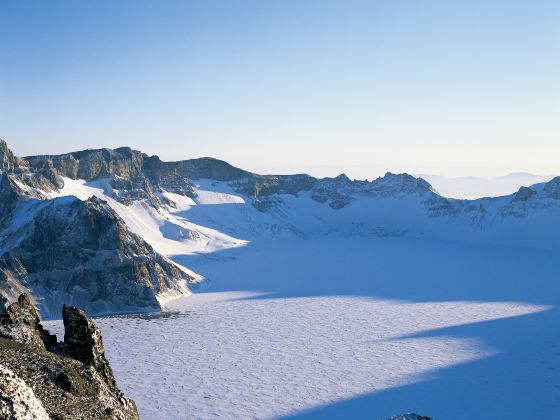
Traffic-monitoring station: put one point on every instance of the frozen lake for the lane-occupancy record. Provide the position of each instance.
(354, 327)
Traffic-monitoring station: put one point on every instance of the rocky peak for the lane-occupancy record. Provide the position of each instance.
(341, 190)
(20, 322)
(401, 183)
(342, 178)
(70, 379)
(133, 175)
(19, 181)
(83, 342)
(552, 188)
(8, 161)
(523, 194)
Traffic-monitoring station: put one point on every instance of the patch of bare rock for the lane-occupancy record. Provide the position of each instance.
(42, 378)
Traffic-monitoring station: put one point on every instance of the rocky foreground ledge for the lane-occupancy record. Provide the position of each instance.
(41, 378)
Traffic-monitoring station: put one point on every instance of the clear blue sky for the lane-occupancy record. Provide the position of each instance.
(449, 87)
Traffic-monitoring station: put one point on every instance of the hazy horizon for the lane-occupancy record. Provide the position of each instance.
(364, 171)
(463, 187)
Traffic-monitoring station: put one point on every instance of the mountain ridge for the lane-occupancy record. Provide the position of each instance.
(78, 251)
(158, 214)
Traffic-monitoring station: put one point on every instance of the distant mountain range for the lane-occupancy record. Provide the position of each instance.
(112, 230)
(473, 187)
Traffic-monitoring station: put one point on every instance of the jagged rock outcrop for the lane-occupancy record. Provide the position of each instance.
(257, 186)
(12, 184)
(83, 342)
(333, 190)
(8, 161)
(57, 380)
(340, 191)
(130, 164)
(30, 183)
(20, 322)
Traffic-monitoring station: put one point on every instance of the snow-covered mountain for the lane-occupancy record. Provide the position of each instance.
(111, 230)
(63, 249)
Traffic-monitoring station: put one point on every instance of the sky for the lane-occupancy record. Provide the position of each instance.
(446, 87)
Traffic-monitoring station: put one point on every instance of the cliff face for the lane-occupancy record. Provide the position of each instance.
(65, 250)
(81, 252)
(133, 174)
(41, 378)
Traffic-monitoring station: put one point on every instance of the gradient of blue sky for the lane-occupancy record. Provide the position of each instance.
(449, 87)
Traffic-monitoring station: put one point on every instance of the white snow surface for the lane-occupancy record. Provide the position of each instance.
(350, 328)
(167, 233)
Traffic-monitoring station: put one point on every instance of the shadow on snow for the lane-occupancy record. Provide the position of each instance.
(520, 381)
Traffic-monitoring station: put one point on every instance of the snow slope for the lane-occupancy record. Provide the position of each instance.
(220, 218)
(167, 233)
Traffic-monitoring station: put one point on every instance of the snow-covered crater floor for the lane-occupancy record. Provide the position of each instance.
(351, 329)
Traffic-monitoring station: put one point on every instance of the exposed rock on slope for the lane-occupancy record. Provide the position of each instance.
(134, 175)
(83, 342)
(20, 322)
(65, 380)
(81, 252)
(17, 400)
(65, 250)
(30, 182)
